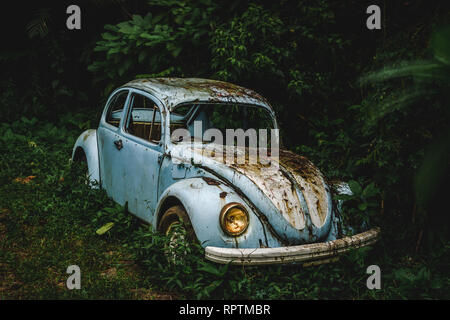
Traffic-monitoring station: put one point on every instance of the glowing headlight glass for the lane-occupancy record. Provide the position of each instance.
(234, 219)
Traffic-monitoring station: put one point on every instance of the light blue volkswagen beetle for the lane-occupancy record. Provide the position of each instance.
(241, 213)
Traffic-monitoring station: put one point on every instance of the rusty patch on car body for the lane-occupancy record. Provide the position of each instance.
(296, 187)
(175, 91)
(211, 181)
(311, 182)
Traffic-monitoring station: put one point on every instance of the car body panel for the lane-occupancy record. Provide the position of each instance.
(87, 144)
(289, 205)
(203, 202)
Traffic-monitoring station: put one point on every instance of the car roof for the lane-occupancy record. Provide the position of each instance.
(175, 91)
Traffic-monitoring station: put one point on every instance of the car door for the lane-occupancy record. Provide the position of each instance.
(109, 140)
(142, 153)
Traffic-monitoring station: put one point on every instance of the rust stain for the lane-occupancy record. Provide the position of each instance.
(211, 181)
(179, 90)
(278, 188)
(311, 182)
(280, 184)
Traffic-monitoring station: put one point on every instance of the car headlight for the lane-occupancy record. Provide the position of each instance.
(234, 219)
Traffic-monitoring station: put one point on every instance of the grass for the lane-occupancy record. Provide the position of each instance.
(49, 218)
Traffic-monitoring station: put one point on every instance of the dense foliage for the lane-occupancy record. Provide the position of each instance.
(370, 107)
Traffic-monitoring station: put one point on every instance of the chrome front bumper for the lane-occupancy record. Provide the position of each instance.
(314, 253)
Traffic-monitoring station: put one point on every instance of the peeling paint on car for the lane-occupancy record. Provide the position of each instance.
(175, 91)
(290, 205)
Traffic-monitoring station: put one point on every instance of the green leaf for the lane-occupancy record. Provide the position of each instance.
(109, 36)
(126, 28)
(370, 191)
(362, 206)
(146, 35)
(111, 27)
(100, 48)
(105, 228)
(208, 267)
(176, 52)
(148, 18)
(137, 19)
(355, 187)
(113, 50)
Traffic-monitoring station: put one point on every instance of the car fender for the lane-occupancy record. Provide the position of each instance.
(87, 143)
(203, 203)
(337, 188)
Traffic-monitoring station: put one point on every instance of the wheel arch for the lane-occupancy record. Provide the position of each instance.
(166, 203)
(203, 203)
(79, 154)
(86, 145)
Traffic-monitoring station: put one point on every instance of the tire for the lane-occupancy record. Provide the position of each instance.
(175, 224)
(176, 215)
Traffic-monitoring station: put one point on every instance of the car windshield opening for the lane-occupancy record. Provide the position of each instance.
(203, 122)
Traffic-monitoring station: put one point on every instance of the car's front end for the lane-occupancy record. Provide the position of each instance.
(263, 214)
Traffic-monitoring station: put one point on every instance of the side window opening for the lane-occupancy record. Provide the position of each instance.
(144, 119)
(180, 116)
(115, 109)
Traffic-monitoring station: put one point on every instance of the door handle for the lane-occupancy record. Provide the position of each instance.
(119, 144)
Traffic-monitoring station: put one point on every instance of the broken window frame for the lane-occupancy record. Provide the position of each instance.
(154, 109)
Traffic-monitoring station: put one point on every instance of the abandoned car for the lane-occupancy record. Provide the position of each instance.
(241, 213)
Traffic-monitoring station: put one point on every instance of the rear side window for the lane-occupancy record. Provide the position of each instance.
(115, 108)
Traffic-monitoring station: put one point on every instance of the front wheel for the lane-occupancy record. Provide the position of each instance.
(176, 225)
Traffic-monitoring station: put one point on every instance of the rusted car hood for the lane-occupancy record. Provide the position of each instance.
(295, 187)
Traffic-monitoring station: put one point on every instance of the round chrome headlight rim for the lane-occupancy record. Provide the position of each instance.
(226, 210)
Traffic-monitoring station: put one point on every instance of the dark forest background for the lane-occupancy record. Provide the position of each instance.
(366, 106)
